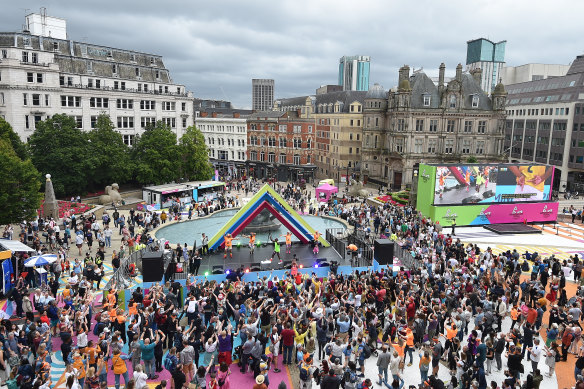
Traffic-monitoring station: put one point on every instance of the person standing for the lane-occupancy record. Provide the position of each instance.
(382, 365)
(205, 244)
(453, 226)
(196, 263)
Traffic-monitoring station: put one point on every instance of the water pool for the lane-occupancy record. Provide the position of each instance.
(189, 231)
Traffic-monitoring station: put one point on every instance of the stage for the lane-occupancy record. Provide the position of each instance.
(243, 258)
(512, 228)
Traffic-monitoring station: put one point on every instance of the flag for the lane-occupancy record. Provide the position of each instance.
(7, 272)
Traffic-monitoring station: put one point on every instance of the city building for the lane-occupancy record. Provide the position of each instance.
(545, 124)
(225, 132)
(280, 146)
(338, 120)
(262, 94)
(42, 74)
(203, 104)
(354, 72)
(489, 57)
(531, 72)
(419, 122)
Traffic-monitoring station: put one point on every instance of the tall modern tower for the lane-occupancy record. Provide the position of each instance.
(262, 94)
(354, 72)
(489, 57)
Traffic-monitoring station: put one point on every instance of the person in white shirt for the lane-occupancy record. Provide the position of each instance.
(140, 378)
(535, 354)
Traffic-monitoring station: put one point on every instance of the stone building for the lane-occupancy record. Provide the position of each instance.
(420, 122)
(42, 74)
(225, 132)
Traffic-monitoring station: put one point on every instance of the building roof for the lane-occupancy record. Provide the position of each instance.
(226, 112)
(267, 114)
(293, 101)
(346, 97)
(376, 92)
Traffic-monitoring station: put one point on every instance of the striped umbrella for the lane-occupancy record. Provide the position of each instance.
(41, 260)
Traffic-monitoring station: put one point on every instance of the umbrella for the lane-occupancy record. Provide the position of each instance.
(41, 260)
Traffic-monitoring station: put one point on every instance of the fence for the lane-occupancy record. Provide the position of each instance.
(335, 237)
(122, 277)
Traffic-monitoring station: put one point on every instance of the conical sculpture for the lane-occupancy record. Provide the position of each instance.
(51, 207)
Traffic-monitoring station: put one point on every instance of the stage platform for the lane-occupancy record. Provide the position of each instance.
(511, 229)
(243, 258)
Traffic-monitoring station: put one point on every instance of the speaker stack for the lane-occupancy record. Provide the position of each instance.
(152, 266)
(383, 251)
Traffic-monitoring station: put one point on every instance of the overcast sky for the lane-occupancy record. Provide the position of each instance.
(216, 47)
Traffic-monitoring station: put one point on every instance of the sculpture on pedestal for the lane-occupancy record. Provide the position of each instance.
(51, 207)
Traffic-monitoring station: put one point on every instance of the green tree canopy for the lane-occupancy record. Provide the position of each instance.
(19, 192)
(59, 148)
(194, 156)
(7, 133)
(110, 156)
(156, 156)
(472, 159)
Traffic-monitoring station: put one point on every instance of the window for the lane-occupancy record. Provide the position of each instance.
(399, 145)
(146, 122)
(433, 125)
(282, 158)
(137, 72)
(36, 99)
(310, 129)
(482, 126)
(296, 159)
(271, 142)
(350, 150)
(24, 99)
(147, 105)
(168, 105)
(170, 122)
(93, 121)
(271, 157)
(70, 101)
(426, 100)
(128, 139)
(449, 146)
(151, 60)
(184, 106)
(432, 143)
(450, 124)
(115, 69)
(125, 104)
(419, 125)
(47, 101)
(480, 147)
(157, 74)
(283, 142)
(418, 145)
(26, 122)
(125, 122)
(281, 128)
(401, 124)
(466, 146)
(184, 122)
(4, 53)
(475, 101)
(467, 126)
(78, 121)
(297, 143)
(30, 77)
(308, 145)
(99, 102)
(452, 102)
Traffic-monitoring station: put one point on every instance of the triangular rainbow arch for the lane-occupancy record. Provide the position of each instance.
(266, 198)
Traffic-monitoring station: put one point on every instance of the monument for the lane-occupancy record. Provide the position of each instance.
(51, 207)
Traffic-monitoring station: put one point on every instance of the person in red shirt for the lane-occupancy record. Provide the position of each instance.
(288, 343)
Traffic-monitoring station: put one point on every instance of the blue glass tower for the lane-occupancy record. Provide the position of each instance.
(354, 72)
(489, 57)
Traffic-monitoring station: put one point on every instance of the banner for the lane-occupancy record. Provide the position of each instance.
(7, 271)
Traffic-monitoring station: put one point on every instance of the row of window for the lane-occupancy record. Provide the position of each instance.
(282, 158)
(283, 142)
(103, 102)
(96, 83)
(281, 128)
(542, 111)
(230, 142)
(221, 128)
(223, 155)
(449, 146)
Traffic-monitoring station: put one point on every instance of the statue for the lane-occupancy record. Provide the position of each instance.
(112, 195)
(357, 189)
(51, 207)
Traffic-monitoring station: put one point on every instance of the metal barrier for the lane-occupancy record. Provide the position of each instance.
(335, 237)
(122, 277)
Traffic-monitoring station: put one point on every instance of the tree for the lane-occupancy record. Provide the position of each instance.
(59, 148)
(110, 156)
(156, 156)
(194, 164)
(472, 159)
(7, 133)
(19, 192)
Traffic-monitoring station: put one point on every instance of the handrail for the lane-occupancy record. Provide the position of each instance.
(122, 277)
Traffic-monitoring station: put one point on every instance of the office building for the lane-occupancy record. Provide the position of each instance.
(262, 94)
(43, 74)
(531, 72)
(545, 124)
(354, 72)
(420, 122)
(489, 57)
(225, 132)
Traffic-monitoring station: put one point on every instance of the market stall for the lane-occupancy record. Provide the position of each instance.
(325, 192)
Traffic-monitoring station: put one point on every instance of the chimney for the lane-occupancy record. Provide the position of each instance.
(477, 74)
(204, 114)
(214, 114)
(402, 75)
(236, 115)
(441, 71)
(459, 73)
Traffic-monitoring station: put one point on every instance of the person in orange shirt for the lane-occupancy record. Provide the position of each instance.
(514, 316)
(288, 237)
(316, 238)
(112, 298)
(251, 244)
(451, 333)
(228, 245)
(120, 324)
(91, 352)
(119, 367)
(132, 307)
(409, 338)
(79, 364)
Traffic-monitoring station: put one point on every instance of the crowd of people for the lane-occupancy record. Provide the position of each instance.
(461, 315)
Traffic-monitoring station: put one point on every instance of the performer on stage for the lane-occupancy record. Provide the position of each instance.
(276, 249)
(288, 237)
(252, 239)
(316, 238)
(228, 245)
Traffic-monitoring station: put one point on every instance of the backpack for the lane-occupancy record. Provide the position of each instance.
(304, 373)
(170, 363)
(366, 351)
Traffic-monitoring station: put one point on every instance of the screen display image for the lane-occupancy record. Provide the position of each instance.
(486, 184)
(465, 184)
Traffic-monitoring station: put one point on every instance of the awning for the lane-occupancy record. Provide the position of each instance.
(14, 246)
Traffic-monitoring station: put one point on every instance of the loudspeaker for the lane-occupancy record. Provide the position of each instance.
(152, 266)
(383, 253)
(217, 269)
(255, 266)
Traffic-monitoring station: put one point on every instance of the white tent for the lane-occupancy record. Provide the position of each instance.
(16, 247)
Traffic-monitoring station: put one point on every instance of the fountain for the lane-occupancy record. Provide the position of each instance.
(264, 222)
